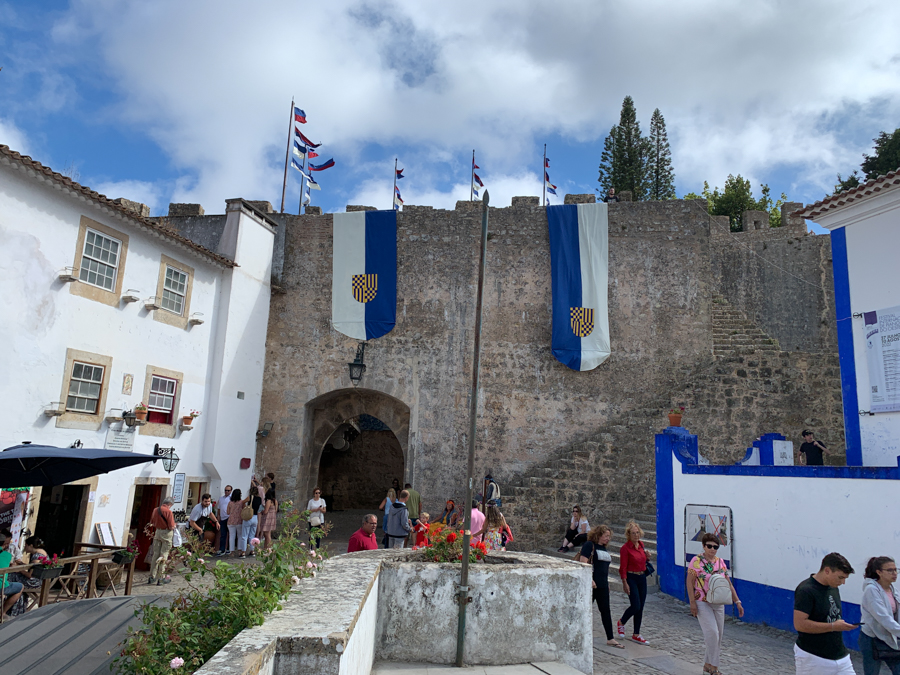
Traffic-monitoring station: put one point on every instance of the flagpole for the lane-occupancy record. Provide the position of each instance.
(394, 193)
(544, 176)
(287, 154)
(300, 209)
(472, 187)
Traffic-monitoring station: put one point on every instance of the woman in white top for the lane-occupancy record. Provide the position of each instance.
(577, 533)
(316, 508)
(880, 616)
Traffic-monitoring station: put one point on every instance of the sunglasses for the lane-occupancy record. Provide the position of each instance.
(713, 546)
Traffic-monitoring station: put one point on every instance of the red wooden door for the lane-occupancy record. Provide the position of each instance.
(150, 499)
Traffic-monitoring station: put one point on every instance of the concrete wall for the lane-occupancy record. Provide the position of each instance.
(532, 405)
(537, 610)
(786, 519)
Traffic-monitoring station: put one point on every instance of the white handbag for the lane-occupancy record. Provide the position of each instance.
(719, 590)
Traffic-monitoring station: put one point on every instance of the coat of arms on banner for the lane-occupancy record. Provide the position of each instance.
(365, 287)
(582, 320)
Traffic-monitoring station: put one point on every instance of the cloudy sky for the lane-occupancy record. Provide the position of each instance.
(189, 101)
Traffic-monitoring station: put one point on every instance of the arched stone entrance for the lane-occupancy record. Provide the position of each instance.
(327, 413)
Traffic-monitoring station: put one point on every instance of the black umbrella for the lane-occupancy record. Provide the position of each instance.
(32, 465)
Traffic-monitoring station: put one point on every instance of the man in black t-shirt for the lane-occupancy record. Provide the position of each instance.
(820, 646)
(812, 448)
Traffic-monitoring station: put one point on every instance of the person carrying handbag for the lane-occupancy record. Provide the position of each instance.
(709, 589)
(633, 568)
(879, 638)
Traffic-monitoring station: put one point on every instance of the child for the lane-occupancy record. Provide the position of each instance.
(421, 530)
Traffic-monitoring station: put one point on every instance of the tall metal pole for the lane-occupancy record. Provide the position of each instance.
(463, 590)
(472, 177)
(303, 181)
(287, 155)
(394, 193)
(544, 175)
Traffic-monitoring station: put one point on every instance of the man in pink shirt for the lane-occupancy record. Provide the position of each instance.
(364, 538)
(477, 520)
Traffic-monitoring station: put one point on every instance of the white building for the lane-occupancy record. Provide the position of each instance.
(103, 309)
(865, 243)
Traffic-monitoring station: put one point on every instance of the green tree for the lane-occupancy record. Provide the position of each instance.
(623, 164)
(660, 176)
(736, 198)
(885, 160)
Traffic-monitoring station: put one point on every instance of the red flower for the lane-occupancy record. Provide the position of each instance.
(451, 537)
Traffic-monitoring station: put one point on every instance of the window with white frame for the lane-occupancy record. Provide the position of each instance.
(85, 386)
(162, 399)
(174, 289)
(99, 260)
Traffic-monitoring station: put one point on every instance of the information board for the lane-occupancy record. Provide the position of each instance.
(119, 439)
(883, 356)
(178, 488)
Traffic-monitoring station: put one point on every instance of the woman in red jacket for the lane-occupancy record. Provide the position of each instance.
(633, 570)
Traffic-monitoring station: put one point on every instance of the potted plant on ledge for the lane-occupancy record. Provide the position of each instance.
(188, 420)
(675, 416)
(140, 411)
(126, 555)
(47, 568)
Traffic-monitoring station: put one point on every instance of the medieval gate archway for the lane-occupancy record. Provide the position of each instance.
(345, 429)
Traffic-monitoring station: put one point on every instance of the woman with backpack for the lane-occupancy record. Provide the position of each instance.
(880, 615)
(709, 588)
(594, 552)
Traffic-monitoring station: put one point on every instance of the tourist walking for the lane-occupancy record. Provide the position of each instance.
(248, 528)
(880, 622)
(576, 535)
(164, 522)
(820, 649)
(491, 530)
(316, 518)
(709, 610)
(398, 522)
(594, 551)
(222, 506)
(385, 506)
(267, 518)
(633, 570)
(364, 538)
(235, 523)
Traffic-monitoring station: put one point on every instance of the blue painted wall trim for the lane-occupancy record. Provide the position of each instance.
(671, 443)
(870, 472)
(843, 314)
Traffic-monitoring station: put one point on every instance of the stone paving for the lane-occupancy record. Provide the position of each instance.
(676, 644)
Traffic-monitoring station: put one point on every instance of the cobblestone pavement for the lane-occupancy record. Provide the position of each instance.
(676, 644)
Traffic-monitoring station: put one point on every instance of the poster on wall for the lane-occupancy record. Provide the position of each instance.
(178, 489)
(882, 329)
(13, 504)
(700, 519)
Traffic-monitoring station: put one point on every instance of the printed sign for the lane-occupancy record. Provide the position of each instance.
(783, 453)
(178, 489)
(702, 518)
(119, 439)
(882, 329)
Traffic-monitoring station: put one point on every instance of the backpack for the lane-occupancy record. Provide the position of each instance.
(719, 590)
(247, 512)
(495, 494)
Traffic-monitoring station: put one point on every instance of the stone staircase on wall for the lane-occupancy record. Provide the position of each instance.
(733, 334)
(612, 475)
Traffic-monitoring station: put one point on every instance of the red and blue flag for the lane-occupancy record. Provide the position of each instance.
(321, 167)
(299, 115)
(304, 139)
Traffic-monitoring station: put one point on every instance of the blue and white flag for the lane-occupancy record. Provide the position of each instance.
(579, 270)
(364, 274)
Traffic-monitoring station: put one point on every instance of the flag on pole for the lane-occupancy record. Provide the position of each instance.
(297, 165)
(311, 184)
(321, 167)
(475, 191)
(299, 115)
(312, 154)
(399, 174)
(300, 149)
(579, 258)
(304, 139)
(546, 162)
(551, 189)
(306, 197)
(364, 274)
(477, 179)
(475, 166)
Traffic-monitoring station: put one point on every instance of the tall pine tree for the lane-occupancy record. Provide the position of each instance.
(623, 164)
(660, 176)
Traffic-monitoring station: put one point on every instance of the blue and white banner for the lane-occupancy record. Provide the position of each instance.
(364, 274)
(579, 270)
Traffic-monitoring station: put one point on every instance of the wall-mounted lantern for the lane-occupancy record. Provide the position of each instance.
(266, 430)
(358, 367)
(169, 458)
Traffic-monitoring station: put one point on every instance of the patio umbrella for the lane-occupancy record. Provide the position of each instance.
(32, 465)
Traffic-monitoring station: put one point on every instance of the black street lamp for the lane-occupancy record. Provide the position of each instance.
(130, 418)
(169, 458)
(358, 367)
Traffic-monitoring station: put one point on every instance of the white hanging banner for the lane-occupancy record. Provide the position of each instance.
(883, 351)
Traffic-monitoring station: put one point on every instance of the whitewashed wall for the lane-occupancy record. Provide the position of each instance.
(872, 242)
(41, 318)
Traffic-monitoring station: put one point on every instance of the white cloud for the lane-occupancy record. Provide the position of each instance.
(144, 192)
(745, 86)
(12, 136)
